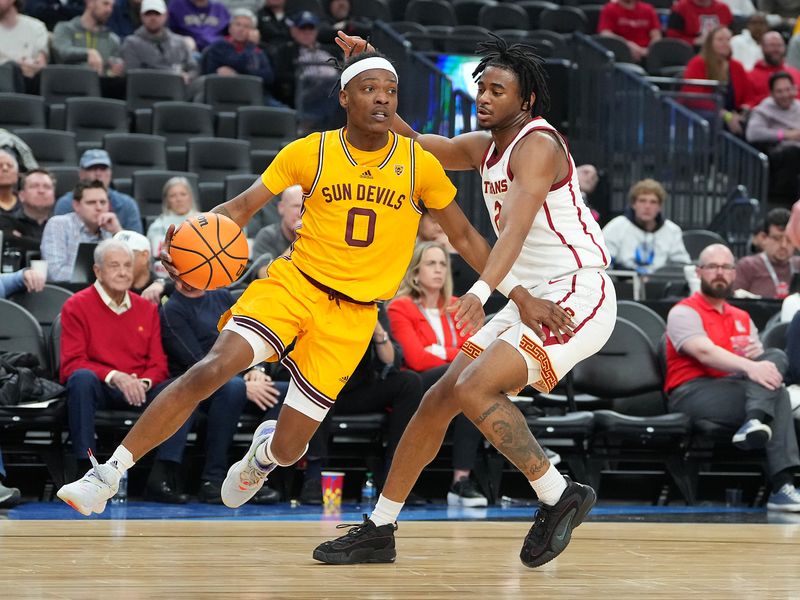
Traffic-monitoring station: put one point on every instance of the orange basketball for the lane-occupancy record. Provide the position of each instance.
(209, 251)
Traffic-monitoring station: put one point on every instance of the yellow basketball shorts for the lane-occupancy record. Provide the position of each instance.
(332, 336)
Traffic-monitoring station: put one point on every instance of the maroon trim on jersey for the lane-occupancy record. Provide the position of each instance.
(553, 340)
(569, 293)
(583, 223)
(565, 147)
(490, 161)
(308, 390)
(560, 235)
(599, 304)
(257, 327)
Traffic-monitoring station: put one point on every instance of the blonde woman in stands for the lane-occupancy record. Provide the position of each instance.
(178, 205)
(430, 340)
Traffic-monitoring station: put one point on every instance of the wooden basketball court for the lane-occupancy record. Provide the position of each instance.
(119, 560)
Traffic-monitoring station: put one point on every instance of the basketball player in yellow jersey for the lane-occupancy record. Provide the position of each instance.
(362, 186)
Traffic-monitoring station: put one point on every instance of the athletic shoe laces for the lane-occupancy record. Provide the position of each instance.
(790, 492)
(95, 472)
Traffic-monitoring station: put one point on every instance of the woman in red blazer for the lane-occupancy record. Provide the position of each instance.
(428, 336)
(714, 62)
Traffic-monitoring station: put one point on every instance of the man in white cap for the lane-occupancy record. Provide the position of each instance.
(96, 164)
(154, 46)
(145, 283)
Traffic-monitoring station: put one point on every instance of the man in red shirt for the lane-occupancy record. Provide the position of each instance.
(718, 370)
(635, 22)
(111, 357)
(691, 20)
(774, 49)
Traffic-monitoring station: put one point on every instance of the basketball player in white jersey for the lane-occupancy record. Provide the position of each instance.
(548, 243)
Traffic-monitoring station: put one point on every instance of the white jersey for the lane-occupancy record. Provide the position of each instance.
(564, 238)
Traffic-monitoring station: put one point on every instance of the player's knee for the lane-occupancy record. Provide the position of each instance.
(439, 399)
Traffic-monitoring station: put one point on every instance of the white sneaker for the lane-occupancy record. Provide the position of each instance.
(245, 477)
(90, 493)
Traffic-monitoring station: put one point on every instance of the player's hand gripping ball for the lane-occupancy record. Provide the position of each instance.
(209, 251)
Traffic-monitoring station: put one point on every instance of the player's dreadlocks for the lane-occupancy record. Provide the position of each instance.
(523, 62)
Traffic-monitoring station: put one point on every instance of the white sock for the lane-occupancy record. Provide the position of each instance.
(264, 454)
(549, 486)
(386, 511)
(122, 459)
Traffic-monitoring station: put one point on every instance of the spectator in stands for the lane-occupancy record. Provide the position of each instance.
(91, 221)
(717, 370)
(769, 273)
(692, 20)
(125, 18)
(154, 46)
(23, 229)
(95, 164)
(24, 39)
(634, 22)
(339, 17)
(642, 239)
(714, 63)
(746, 47)
(774, 127)
(111, 357)
(177, 205)
(9, 178)
(276, 239)
(188, 330)
(793, 226)
(51, 12)
(791, 305)
(588, 178)
(272, 24)
(774, 49)
(793, 350)
(302, 58)
(11, 283)
(205, 21)
(145, 282)
(793, 53)
(429, 230)
(88, 40)
(236, 54)
(425, 330)
(24, 279)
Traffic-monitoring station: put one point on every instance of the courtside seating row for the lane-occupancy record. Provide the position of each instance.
(622, 420)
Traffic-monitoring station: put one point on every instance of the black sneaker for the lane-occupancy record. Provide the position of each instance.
(465, 492)
(209, 492)
(364, 543)
(553, 525)
(311, 493)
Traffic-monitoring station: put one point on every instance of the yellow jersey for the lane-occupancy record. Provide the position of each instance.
(360, 209)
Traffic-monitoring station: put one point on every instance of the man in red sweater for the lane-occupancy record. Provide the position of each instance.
(718, 370)
(774, 49)
(111, 357)
(691, 20)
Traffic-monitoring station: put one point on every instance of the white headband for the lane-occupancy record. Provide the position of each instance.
(373, 62)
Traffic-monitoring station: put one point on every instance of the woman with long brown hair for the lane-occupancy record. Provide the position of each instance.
(714, 62)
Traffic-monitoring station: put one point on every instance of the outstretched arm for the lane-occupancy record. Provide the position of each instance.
(461, 153)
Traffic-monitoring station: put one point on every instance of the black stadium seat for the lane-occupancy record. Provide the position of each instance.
(131, 152)
(21, 110)
(93, 118)
(178, 122)
(145, 87)
(431, 12)
(51, 147)
(503, 16)
(266, 127)
(564, 19)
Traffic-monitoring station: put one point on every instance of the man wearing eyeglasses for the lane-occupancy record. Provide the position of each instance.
(769, 273)
(718, 370)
